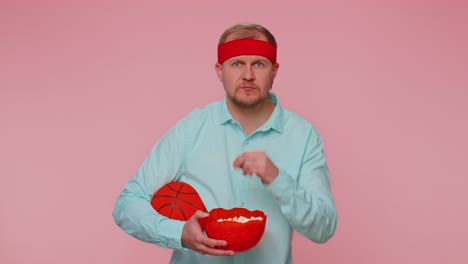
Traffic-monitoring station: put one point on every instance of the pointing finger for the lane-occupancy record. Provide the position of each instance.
(239, 161)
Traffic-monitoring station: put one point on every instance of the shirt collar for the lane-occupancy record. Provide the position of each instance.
(276, 120)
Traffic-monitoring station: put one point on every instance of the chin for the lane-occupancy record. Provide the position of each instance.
(246, 104)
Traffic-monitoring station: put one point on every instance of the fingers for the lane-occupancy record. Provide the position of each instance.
(207, 246)
(209, 242)
(248, 168)
(204, 250)
(200, 214)
(212, 247)
(257, 163)
(194, 238)
(246, 162)
(240, 160)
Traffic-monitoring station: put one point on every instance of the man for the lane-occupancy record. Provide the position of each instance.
(244, 151)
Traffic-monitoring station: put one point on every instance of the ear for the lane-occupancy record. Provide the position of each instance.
(219, 71)
(275, 70)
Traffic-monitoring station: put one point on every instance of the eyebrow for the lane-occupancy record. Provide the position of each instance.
(232, 60)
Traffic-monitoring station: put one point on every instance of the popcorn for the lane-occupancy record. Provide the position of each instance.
(240, 219)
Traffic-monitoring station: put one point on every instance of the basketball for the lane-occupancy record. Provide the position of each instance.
(177, 200)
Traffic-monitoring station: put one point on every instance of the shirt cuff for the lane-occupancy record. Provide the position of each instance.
(171, 232)
(282, 188)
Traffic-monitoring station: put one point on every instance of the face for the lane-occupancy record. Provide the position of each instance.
(247, 80)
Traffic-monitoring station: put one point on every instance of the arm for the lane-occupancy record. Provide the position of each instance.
(135, 215)
(133, 211)
(306, 201)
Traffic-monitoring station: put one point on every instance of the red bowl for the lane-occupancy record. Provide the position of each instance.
(242, 229)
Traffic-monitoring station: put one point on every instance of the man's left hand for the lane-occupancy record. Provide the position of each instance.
(258, 163)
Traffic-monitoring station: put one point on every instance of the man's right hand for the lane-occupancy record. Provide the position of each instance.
(194, 238)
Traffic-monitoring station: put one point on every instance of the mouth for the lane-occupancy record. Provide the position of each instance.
(247, 88)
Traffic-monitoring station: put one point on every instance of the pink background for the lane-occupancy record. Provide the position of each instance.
(86, 89)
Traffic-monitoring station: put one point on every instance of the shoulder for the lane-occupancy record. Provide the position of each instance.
(296, 123)
(291, 122)
(300, 129)
(199, 115)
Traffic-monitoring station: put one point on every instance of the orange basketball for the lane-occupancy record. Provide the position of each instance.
(177, 200)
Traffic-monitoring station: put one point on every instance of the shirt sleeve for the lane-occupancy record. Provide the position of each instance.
(133, 211)
(307, 201)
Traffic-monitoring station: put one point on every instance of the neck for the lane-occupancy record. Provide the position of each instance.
(251, 118)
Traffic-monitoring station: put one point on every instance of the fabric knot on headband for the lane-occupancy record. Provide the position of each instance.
(240, 47)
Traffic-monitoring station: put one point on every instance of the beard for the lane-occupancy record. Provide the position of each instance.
(244, 103)
(249, 100)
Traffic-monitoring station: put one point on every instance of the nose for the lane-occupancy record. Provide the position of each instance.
(249, 74)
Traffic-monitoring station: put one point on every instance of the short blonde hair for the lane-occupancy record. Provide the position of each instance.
(247, 30)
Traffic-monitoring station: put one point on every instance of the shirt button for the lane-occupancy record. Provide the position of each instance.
(246, 142)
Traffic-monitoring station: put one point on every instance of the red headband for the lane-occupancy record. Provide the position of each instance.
(240, 47)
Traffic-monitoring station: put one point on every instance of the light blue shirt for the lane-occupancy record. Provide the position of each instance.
(200, 150)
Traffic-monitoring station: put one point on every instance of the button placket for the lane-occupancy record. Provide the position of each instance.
(244, 187)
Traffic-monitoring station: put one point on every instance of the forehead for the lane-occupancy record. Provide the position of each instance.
(246, 33)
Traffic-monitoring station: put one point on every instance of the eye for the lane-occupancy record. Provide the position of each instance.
(236, 64)
(259, 64)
